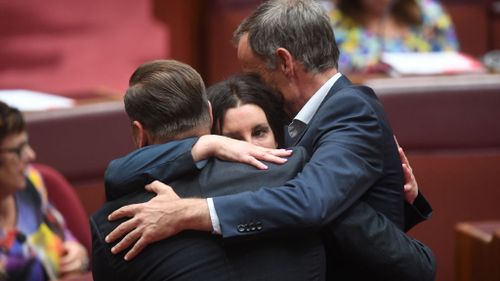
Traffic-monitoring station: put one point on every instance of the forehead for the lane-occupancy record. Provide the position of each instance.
(14, 139)
(249, 61)
(250, 109)
(246, 114)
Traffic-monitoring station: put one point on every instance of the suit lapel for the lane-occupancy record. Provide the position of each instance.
(295, 140)
(341, 83)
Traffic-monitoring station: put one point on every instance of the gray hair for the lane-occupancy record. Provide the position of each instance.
(300, 26)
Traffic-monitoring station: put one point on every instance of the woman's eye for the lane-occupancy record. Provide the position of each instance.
(260, 133)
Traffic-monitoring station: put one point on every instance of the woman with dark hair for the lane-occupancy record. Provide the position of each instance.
(34, 241)
(364, 29)
(244, 108)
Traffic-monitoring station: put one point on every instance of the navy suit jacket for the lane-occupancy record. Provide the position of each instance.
(351, 186)
(193, 255)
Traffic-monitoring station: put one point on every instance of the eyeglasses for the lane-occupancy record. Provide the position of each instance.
(18, 150)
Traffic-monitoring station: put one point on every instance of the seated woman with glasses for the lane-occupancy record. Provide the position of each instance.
(34, 241)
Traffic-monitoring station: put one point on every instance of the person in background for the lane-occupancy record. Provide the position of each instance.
(364, 29)
(34, 241)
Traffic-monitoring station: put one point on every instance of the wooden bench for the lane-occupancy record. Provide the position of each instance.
(79, 142)
(477, 251)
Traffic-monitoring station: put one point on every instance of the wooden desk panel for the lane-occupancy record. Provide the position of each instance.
(442, 112)
(76, 141)
(477, 251)
(461, 185)
(80, 142)
(449, 128)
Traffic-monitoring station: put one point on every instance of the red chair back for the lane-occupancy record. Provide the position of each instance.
(63, 196)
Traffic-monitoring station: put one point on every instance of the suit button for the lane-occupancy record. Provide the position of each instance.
(241, 227)
(251, 226)
(259, 226)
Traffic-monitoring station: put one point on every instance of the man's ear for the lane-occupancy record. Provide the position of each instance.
(211, 115)
(285, 61)
(139, 134)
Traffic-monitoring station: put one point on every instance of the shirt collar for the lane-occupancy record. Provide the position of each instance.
(309, 109)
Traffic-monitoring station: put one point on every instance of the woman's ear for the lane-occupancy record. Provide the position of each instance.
(139, 134)
(285, 61)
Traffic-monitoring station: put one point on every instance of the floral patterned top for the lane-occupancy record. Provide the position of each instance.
(32, 250)
(360, 48)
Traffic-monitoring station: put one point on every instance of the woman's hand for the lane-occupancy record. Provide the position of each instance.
(229, 149)
(74, 260)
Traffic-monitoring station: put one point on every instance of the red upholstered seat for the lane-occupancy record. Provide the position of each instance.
(64, 198)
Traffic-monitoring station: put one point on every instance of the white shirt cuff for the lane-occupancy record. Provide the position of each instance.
(213, 217)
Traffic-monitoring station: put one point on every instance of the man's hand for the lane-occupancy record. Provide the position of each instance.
(74, 260)
(229, 149)
(163, 216)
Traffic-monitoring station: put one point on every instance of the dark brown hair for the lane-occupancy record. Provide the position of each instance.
(11, 121)
(168, 98)
(244, 89)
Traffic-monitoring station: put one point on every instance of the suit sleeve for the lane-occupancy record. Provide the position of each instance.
(164, 162)
(364, 237)
(99, 267)
(346, 161)
(417, 212)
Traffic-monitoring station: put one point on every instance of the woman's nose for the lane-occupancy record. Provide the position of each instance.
(29, 153)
